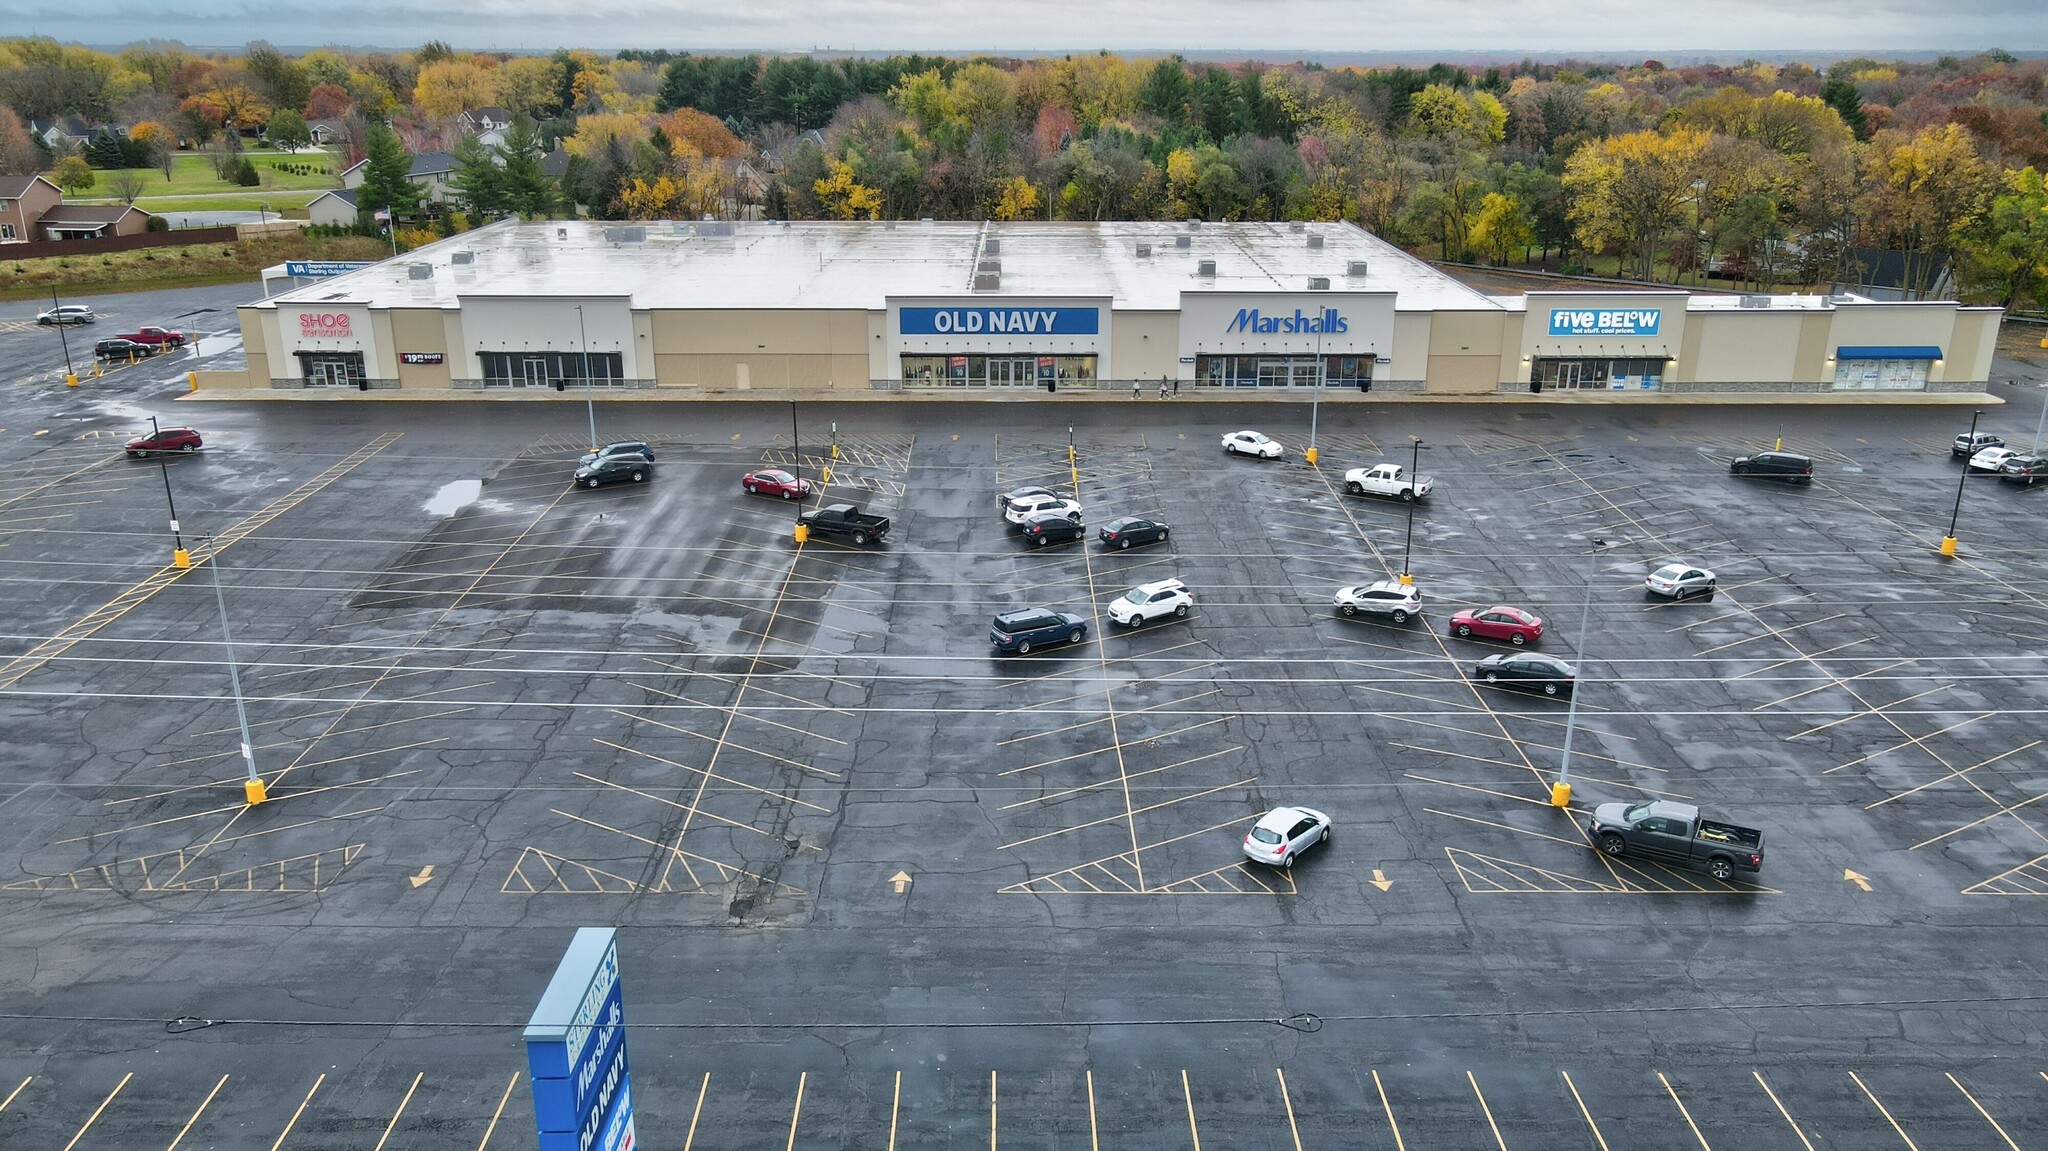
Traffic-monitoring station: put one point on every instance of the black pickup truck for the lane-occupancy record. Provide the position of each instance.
(846, 520)
(1676, 833)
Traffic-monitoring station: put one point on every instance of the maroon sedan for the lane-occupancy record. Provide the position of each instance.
(1509, 623)
(165, 440)
(775, 482)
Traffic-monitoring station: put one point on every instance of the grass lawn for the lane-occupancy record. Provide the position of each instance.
(193, 264)
(192, 174)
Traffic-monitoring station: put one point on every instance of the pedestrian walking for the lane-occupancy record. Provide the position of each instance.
(1162, 387)
(1176, 387)
(1134, 389)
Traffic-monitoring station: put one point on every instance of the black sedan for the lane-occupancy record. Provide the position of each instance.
(1052, 527)
(1544, 673)
(1791, 467)
(2024, 470)
(617, 469)
(1122, 533)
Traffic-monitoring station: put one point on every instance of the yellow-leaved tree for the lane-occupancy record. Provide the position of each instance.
(844, 198)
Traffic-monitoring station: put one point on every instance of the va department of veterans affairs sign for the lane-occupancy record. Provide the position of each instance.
(315, 269)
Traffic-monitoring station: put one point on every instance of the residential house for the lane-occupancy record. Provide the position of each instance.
(434, 172)
(62, 134)
(334, 206)
(92, 221)
(489, 118)
(23, 200)
(324, 132)
(1890, 274)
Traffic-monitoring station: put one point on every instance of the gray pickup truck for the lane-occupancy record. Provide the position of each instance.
(846, 520)
(1676, 833)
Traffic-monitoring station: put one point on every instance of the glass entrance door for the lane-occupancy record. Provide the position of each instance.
(1568, 374)
(534, 372)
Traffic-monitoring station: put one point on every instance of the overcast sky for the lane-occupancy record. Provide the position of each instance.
(1275, 29)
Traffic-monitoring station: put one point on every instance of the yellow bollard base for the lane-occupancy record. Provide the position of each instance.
(1070, 453)
(254, 790)
(825, 475)
(180, 558)
(803, 533)
(1560, 794)
(1407, 580)
(70, 379)
(1309, 454)
(835, 451)
(1948, 545)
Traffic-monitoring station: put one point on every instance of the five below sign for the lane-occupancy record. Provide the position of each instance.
(1604, 321)
(1000, 321)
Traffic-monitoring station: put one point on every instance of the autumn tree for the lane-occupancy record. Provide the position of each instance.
(841, 197)
(157, 142)
(1501, 225)
(2010, 245)
(327, 102)
(288, 130)
(446, 88)
(73, 175)
(1922, 196)
(1631, 192)
(126, 184)
(529, 84)
(17, 151)
(705, 134)
(1016, 200)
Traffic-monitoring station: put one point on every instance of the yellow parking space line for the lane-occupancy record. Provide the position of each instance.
(300, 1110)
(1188, 1095)
(1780, 1105)
(94, 1117)
(1704, 1146)
(1911, 740)
(103, 461)
(1590, 1125)
(1533, 801)
(1838, 681)
(1094, 1137)
(1953, 775)
(232, 807)
(395, 1115)
(502, 1099)
(730, 682)
(1052, 797)
(1506, 827)
(1910, 1145)
(18, 1088)
(1090, 753)
(795, 1110)
(1130, 814)
(203, 1104)
(725, 739)
(704, 1088)
(680, 806)
(1392, 1125)
(991, 1110)
(1980, 1110)
(1778, 633)
(1293, 1129)
(1485, 1110)
(1086, 723)
(709, 775)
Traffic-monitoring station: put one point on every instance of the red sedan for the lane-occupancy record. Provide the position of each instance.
(1509, 623)
(775, 482)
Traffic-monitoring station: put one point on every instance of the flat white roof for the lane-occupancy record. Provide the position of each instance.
(818, 264)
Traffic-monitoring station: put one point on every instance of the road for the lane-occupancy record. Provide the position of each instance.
(875, 886)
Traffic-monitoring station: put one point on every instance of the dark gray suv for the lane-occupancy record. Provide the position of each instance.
(1026, 628)
(1789, 466)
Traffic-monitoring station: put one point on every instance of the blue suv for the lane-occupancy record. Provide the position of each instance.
(1021, 630)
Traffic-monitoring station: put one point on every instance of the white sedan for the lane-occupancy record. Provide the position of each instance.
(1150, 601)
(1284, 833)
(1024, 509)
(1679, 580)
(1250, 443)
(1991, 459)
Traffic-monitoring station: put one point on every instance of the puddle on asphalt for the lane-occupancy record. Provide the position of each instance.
(454, 497)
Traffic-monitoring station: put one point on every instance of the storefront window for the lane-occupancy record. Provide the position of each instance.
(1282, 371)
(1567, 375)
(1881, 375)
(999, 370)
(543, 369)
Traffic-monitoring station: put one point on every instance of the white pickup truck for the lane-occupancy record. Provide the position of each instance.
(1387, 480)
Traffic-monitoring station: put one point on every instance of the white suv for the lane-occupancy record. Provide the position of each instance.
(1150, 601)
(1024, 509)
(65, 314)
(1391, 598)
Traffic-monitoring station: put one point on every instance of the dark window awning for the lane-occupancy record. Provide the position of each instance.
(1887, 352)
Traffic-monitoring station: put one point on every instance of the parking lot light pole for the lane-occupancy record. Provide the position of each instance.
(1561, 791)
(179, 556)
(1315, 403)
(796, 472)
(1948, 542)
(253, 788)
(2040, 422)
(63, 337)
(1407, 547)
(589, 406)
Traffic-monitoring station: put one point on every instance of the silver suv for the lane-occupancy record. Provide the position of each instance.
(1391, 598)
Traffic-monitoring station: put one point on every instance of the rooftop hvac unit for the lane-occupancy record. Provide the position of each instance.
(1206, 268)
(1182, 242)
(992, 247)
(1319, 283)
(889, 227)
(1357, 268)
(633, 235)
(988, 281)
(1315, 242)
(420, 271)
(1144, 251)
(1755, 302)
(1296, 226)
(989, 266)
(464, 258)
(561, 233)
(925, 220)
(1194, 222)
(714, 227)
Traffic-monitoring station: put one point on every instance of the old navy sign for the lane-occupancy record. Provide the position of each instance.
(998, 321)
(1327, 323)
(576, 1051)
(1604, 321)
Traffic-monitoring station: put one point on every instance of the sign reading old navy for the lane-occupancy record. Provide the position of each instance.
(576, 1051)
(1604, 321)
(1033, 321)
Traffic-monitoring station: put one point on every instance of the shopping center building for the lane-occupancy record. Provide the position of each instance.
(966, 308)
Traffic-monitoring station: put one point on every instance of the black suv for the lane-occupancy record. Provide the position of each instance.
(1021, 630)
(620, 448)
(121, 348)
(614, 470)
(1051, 527)
(2024, 470)
(1775, 465)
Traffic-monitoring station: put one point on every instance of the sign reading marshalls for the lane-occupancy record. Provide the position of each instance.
(576, 1051)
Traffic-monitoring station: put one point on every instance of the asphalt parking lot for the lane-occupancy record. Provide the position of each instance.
(877, 885)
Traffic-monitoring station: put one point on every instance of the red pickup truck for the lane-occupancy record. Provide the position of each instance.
(162, 337)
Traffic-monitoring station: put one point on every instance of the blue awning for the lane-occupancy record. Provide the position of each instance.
(1887, 352)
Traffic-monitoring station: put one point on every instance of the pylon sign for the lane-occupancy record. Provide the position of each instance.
(576, 1051)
